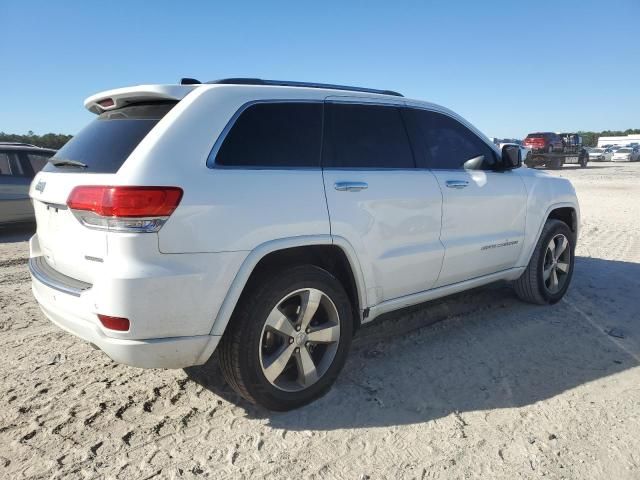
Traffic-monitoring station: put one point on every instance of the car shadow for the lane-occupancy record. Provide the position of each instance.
(17, 233)
(478, 350)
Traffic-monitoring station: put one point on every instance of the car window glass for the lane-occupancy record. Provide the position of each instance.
(274, 135)
(444, 143)
(105, 144)
(366, 136)
(16, 166)
(10, 164)
(37, 161)
(4, 164)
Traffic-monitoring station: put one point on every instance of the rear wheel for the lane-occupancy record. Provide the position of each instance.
(288, 338)
(550, 269)
(555, 163)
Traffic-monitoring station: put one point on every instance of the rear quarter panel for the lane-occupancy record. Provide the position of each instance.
(224, 209)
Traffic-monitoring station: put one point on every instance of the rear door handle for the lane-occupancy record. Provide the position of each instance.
(457, 184)
(350, 186)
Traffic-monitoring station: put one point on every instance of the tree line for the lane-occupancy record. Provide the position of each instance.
(57, 140)
(590, 139)
(48, 140)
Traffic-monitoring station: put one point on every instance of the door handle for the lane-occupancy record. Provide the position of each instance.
(458, 184)
(350, 186)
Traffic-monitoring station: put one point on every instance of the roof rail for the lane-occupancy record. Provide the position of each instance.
(287, 83)
(17, 144)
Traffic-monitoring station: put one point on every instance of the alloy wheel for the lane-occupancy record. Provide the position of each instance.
(556, 265)
(299, 339)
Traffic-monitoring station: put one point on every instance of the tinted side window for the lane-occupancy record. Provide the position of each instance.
(444, 143)
(366, 136)
(10, 165)
(4, 164)
(274, 135)
(38, 160)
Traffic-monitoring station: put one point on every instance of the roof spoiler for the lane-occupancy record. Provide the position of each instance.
(119, 97)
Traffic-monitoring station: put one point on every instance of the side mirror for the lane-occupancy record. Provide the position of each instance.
(511, 157)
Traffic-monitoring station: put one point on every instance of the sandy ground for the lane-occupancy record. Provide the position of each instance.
(479, 385)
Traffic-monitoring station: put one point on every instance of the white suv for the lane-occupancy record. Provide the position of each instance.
(271, 219)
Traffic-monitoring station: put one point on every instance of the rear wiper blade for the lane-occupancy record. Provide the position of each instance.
(60, 162)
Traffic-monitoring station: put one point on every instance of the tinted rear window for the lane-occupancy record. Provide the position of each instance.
(535, 135)
(105, 143)
(274, 135)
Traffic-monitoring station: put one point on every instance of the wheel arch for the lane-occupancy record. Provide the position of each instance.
(333, 254)
(566, 212)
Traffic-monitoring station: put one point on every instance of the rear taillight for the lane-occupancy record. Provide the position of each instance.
(124, 209)
(114, 323)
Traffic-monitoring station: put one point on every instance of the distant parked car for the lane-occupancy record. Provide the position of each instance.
(547, 142)
(626, 154)
(19, 162)
(600, 154)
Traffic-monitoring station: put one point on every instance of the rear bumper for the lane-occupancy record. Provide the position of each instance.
(170, 300)
(64, 310)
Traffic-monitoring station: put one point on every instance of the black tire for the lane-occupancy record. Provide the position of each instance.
(555, 164)
(531, 286)
(584, 159)
(241, 347)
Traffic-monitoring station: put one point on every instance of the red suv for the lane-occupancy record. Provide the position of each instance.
(547, 142)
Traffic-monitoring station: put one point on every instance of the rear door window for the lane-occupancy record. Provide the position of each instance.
(365, 136)
(5, 169)
(442, 142)
(276, 135)
(37, 161)
(10, 165)
(104, 144)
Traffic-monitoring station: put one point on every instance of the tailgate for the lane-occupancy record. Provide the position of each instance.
(92, 157)
(68, 247)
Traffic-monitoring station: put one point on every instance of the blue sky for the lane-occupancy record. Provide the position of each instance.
(509, 67)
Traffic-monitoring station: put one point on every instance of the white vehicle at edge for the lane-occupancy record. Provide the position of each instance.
(269, 220)
(626, 154)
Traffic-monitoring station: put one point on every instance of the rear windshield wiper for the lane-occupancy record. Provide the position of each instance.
(60, 162)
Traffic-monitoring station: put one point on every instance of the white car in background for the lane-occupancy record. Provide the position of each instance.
(600, 154)
(626, 154)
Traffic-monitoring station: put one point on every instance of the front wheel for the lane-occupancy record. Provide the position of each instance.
(547, 277)
(288, 338)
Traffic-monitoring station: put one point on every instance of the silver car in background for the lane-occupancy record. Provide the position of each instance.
(19, 162)
(600, 154)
